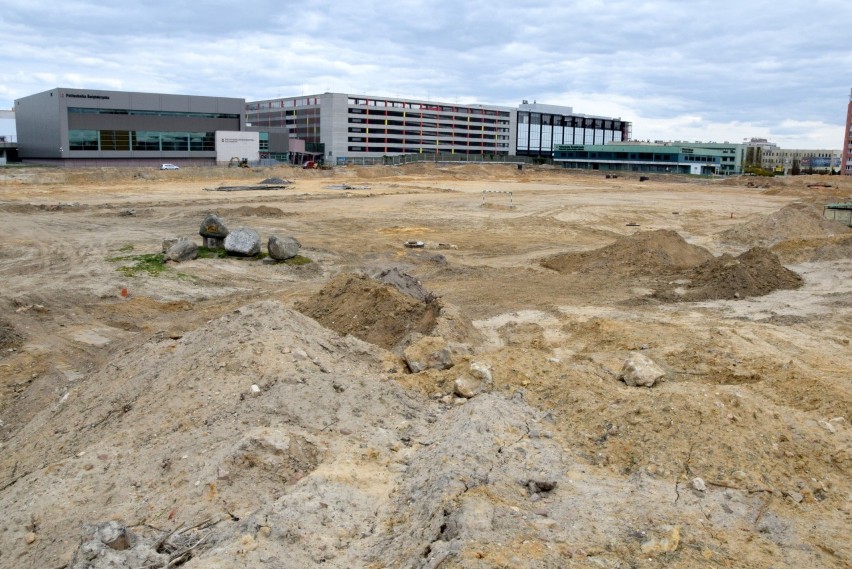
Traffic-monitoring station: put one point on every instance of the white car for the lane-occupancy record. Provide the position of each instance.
(169, 167)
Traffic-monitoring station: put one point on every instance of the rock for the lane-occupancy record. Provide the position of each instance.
(30, 538)
(429, 352)
(539, 486)
(640, 371)
(167, 243)
(283, 248)
(255, 389)
(699, 485)
(481, 371)
(665, 543)
(467, 387)
(796, 497)
(182, 250)
(244, 241)
(213, 226)
(474, 383)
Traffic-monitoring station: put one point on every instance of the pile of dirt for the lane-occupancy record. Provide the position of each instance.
(793, 221)
(647, 252)
(831, 248)
(370, 310)
(753, 273)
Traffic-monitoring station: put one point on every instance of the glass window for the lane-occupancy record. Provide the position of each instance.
(175, 141)
(146, 140)
(83, 140)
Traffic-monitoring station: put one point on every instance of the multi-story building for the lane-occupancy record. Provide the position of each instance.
(337, 126)
(340, 127)
(541, 127)
(846, 161)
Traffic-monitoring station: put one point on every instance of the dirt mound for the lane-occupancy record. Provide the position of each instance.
(644, 252)
(831, 248)
(796, 220)
(754, 273)
(373, 311)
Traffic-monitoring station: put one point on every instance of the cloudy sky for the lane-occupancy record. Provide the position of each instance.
(711, 70)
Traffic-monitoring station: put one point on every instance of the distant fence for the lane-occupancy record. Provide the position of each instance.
(400, 159)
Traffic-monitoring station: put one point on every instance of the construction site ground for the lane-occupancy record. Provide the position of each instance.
(236, 412)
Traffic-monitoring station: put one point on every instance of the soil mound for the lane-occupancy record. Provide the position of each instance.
(644, 252)
(831, 248)
(754, 273)
(796, 220)
(370, 310)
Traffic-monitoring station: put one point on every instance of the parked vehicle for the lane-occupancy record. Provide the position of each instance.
(169, 167)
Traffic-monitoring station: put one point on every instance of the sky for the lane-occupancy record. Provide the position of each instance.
(709, 70)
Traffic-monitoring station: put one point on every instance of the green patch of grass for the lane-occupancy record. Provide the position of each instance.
(212, 253)
(126, 248)
(153, 263)
(297, 260)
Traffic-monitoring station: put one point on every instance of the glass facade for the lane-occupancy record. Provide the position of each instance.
(124, 140)
(538, 133)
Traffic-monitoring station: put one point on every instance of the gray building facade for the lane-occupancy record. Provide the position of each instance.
(87, 126)
(339, 126)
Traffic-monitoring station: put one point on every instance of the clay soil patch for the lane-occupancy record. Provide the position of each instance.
(370, 310)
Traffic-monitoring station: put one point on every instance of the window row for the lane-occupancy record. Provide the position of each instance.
(425, 149)
(88, 111)
(124, 140)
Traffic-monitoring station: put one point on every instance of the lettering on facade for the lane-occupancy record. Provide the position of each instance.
(687, 150)
(565, 148)
(234, 140)
(87, 96)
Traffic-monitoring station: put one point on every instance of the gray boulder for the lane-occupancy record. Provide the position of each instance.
(282, 248)
(213, 226)
(182, 250)
(243, 241)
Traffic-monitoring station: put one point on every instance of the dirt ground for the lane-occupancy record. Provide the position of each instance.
(234, 412)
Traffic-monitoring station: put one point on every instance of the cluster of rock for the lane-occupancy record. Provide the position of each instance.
(244, 242)
(433, 352)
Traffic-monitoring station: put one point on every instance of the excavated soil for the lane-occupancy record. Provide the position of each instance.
(796, 221)
(646, 252)
(227, 412)
(370, 310)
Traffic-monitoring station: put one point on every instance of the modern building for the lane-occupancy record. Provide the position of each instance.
(846, 161)
(541, 127)
(667, 158)
(338, 126)
(86, 126)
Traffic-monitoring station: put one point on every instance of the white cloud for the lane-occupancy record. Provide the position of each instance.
(757, 68)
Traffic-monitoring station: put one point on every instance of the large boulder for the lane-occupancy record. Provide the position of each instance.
(213, 226)
(640, 371)
(182, 250)
(283, 248)
(244, 241)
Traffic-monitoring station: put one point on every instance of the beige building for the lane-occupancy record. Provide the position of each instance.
(769, 156)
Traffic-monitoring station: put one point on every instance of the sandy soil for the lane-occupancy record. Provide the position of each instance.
(233, 412)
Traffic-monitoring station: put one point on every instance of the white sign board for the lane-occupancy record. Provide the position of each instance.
(237, 144)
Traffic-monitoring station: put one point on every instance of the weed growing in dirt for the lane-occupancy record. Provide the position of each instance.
(152, 263)
(297, 260)
(212, 253)
(126, 248)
